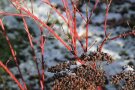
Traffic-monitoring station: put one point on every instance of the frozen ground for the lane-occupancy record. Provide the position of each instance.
(122, 50)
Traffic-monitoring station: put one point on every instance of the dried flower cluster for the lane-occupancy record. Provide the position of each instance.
(61, 67)
(82, 77)
(97, 56)
(125, 80)
(73, 82)
(87, 77)
(97, 76)
(79, 78)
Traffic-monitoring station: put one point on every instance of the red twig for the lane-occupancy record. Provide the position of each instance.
(81, 14)
(69, 19)
(49, 28)
(106, 15)
(97, 1)
(42, 46)
(12, 52)
(75, 31)
(76, 36)
(47, 2)
(11, 75)
(124, 35)
(87, 29)
(92, 45)
(88, 22)
(104, 41)
(12, 14)
(32, 46)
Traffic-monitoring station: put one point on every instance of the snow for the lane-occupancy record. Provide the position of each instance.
(111, 47)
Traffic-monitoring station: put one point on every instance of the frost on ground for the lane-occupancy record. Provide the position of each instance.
(122, 49)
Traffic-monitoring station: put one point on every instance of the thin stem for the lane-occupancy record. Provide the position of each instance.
(88, 22)
(106, 15)
(87, 28)
(11, 75)
(56, 11)
(12, 14)
(124, 35)
(12, 52)
(49, 28)
(97, 1)
(42, 45)
(69, 19)
(32, 46)
(104, 41)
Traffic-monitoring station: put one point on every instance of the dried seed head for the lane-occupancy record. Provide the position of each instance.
(73, 83)
(61, 67)
(95, 75)
(84, 77)
(97, 56)
(127, 78)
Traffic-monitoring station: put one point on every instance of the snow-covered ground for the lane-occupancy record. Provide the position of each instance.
(122, 49)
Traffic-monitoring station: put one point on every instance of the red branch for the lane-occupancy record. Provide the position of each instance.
(124, 35)
(11, 75)
(106, 15)
(12, 52)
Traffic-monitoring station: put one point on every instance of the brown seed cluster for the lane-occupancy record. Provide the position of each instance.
(73, 82)
(61, 67)
(97, 76)
(85, 77)
(125, 80)
(97, 56)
